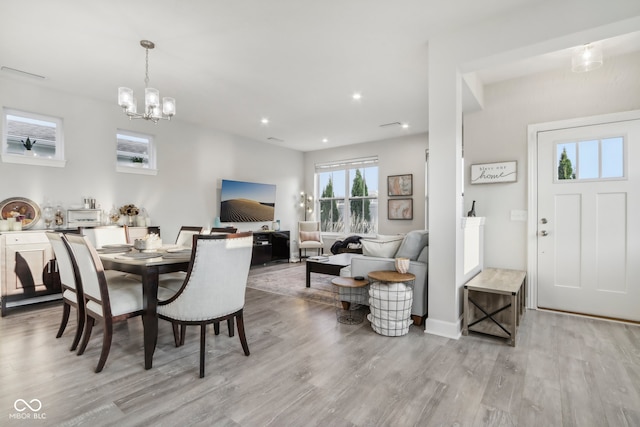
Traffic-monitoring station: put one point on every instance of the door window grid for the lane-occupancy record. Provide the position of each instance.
(592, 159)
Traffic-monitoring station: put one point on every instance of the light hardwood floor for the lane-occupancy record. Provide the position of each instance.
(306, 369)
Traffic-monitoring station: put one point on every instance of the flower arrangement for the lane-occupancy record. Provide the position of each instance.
(129, 210)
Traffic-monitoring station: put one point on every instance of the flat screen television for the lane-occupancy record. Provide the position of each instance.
(247, 201)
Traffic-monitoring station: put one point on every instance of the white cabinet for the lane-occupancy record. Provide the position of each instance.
(27, 269)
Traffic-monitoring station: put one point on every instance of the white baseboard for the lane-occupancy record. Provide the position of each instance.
(441, 328)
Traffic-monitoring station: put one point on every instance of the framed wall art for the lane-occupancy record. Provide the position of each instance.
(400, 185)
(400, 208)
(491, 173)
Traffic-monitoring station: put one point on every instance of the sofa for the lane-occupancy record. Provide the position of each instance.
(380, 253)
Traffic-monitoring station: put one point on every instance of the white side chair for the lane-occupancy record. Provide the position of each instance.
(185, 235)
(71, 288)
(106, 235)
(107, 299)
(213, 290)
(309, 237)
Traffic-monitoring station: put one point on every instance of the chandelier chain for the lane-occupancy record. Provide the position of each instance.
(146, 69)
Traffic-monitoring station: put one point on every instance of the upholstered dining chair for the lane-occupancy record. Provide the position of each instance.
(107, 299)
(309, 237)
(230, 230)
(213, 290)
(185, 235)
(107, 235)
(71, 288)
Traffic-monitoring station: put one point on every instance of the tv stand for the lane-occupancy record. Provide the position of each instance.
(270, 246)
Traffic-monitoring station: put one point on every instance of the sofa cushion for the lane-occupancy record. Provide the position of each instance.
(413, 244)
(382, 247)
(313, 236)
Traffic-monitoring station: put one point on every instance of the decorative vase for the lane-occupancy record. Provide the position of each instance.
(402, 265)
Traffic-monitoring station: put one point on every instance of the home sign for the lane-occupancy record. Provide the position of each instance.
(490, 173)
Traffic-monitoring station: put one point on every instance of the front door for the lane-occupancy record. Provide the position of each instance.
(589, 220)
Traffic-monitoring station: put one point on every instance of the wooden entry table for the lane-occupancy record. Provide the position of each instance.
(497, 298)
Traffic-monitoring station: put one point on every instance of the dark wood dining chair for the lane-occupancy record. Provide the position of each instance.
(185, 235)
(107, 299)
(72, 296)
(214, 288)
(230, 230)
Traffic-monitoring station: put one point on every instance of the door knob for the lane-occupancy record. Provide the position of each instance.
(544, 233)
(543, 221)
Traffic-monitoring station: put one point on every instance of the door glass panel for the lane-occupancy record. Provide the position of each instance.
(588, 160)
(612, 157)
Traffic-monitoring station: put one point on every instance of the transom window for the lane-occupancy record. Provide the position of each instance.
(135, 152)
(32, 138)
(348, 196)
(593, 159)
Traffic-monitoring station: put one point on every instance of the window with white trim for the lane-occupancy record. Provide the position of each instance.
(135, 152)
(348, 196)
(31, 138)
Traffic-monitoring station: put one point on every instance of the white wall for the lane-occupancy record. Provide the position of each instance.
(192, 161)
(396, 156)
(499, 132)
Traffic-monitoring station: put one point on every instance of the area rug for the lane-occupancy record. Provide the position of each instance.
(289, 279)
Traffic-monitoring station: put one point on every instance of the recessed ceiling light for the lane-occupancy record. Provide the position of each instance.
(325, 140)
(405, 126)
(357, 96)
(264, 121)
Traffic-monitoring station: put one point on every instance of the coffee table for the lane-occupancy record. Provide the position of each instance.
(331, 265)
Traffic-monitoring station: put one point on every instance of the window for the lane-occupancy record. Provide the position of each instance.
(348, 196)
(31, 138)
(135, 153)
(594, 159)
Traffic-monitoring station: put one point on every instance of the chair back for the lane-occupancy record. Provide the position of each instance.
(185, 235)
(63, 259)
(230, 230)
(107, 235)
(308, 226)
(217, 278)
(90, 270)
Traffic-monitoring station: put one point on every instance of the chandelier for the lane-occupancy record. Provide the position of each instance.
(152, 109)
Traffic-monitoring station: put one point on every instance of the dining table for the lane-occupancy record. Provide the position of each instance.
(149, 268)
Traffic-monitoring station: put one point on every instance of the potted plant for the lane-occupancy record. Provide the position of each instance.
(28, 145)
(137, 161)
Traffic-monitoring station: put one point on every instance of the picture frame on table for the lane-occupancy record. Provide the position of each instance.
(400, 185)
(400, 208)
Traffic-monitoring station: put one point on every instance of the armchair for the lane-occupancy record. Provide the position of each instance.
(309, 237)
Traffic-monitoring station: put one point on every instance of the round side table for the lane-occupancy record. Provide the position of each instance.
(347, 289)
(390, 301)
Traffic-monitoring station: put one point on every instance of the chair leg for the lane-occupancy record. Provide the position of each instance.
(216, 328)
(79, 329)
(66, 308)
(176, 333)
(230, 326)
(106, 345)
(243, 338)
(87, 334)
(203, 334)
(183, 332)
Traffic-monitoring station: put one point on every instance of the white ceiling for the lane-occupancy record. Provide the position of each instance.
(231, 63)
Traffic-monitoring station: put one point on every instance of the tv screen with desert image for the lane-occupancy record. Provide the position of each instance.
(247, 201)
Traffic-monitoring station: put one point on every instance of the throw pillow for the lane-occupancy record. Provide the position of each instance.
(309, 235)
(382, 248)
(413, 244)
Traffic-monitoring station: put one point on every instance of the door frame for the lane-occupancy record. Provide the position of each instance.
(532, 185)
